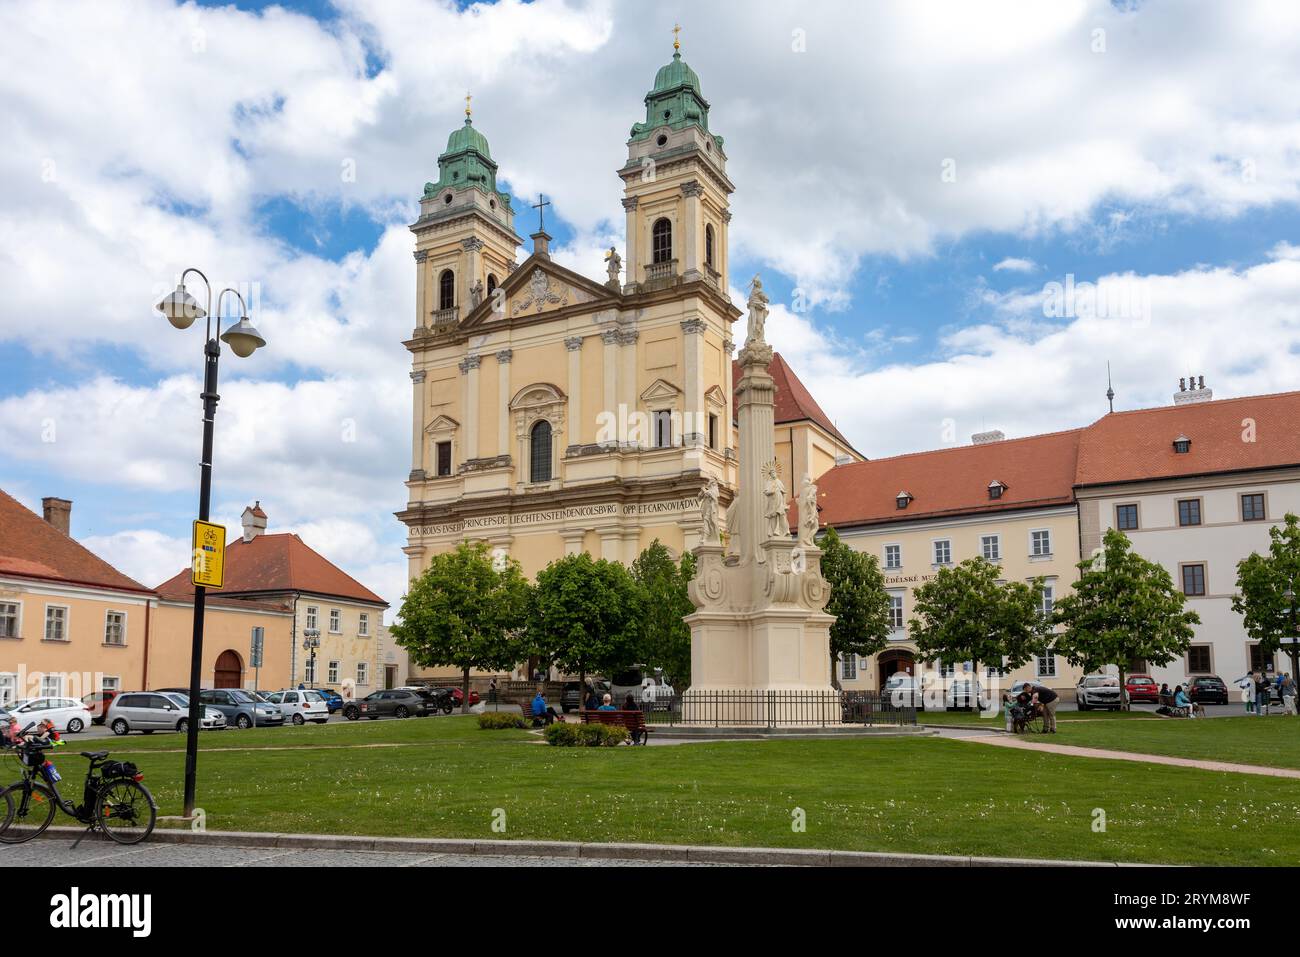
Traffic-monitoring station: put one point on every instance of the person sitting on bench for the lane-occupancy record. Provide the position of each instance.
(1184, 703)
(542, 711)
(607, 704)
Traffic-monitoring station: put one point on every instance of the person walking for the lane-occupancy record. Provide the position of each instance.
(1262, 693)
(1288, 690)
(1247, 685)
(492, 691)
(1048, 698)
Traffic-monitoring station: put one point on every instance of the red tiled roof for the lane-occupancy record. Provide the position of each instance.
(794, 403)
(273, 564)
(1037, 471)
(31, 547)
(1137, 445)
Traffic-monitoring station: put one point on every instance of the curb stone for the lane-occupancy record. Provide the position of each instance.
(743, 856)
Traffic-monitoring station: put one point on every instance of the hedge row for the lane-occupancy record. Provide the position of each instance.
(585, 735)
(497, 720)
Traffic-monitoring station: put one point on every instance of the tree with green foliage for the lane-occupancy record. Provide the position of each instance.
(1123, 607)
(586, 615)
(469, 610)
(665, 639)
(965, 613)
(858, 601)
(1268, 589)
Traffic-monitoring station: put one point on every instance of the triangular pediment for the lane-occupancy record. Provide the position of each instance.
(659, 390)
(443, 423)
(537, 286)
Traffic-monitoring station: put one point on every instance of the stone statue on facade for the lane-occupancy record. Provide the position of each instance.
(733, 527)
(757, 312)
(613, 265)
(808, 521)
(774, 506)
(709, 512)
(476, 293)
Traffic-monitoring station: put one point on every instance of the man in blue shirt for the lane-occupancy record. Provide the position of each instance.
(541, 711)
(607, 704)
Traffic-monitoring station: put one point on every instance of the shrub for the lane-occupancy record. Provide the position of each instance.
(585, 735)
(497, 720)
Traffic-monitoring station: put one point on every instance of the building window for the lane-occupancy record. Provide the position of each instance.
(943, 552)
(996, 489)
(56, 623)
(115, 628)
(539, 454)
(1126, 517)
(849, 667)
(896, 612)
(1046, 664)
(1182, 445)
(991, 547)
(8, 689)
(1040, 543)
(947, 669)
(1199, 660)
(663, 424)
(309, 670)
(363, 625)
(661, 245)
(713, 430)
(994, 671)
(708, 244)
(1258, 660)
(110, 683)
(1189, 511)
(902, 499)
(336, 621)
(443, 454)
(9, 619)
(51, 686)
(1047, 600)
(492, 283)
(446, 289)
(893, 556)
(1194, 579)
(311, 616)
(363, 672)
(332, 672)
(1252, 508)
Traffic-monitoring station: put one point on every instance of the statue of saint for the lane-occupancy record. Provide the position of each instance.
(757, 312)
(778, 524)
(613, 264)
(476, 293)
(709, 512)
(808, 521)
(733, 526)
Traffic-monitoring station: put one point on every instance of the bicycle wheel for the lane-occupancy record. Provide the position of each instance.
(6, 810)
(126, 811)
(1034, 725)
(32, 812)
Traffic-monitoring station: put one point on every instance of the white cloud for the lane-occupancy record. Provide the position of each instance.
(1015, 264)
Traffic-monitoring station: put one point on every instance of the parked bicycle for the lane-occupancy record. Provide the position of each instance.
(113, 799)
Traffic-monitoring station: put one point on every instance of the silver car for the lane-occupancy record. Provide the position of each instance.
(150, 711)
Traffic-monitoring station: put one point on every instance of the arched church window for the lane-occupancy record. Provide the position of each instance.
(492, 283)
(661, 235)
(539, 452)
(446, 289)
(708, 244)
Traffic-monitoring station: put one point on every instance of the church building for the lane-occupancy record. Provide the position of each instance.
(553, 413)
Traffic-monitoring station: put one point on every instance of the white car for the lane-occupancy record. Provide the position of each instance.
(68, 714)
(301, 705)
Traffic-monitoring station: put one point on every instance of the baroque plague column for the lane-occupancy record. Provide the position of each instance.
(760, 637)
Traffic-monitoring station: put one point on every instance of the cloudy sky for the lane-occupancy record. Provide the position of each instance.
(965, 210)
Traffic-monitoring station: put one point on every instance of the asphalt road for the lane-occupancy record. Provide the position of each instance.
(97, 852)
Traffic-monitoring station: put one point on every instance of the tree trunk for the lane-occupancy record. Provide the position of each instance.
(582, 689)
(464, 703)
(1123, 691)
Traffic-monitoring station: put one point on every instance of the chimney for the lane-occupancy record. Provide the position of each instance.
(1192, 389)
(254, 521)
(984, 438)
(58, 512)
(541, 244)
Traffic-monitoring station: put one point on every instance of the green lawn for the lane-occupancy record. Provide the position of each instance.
(445, 778)
(999, 720)
(1271, 741)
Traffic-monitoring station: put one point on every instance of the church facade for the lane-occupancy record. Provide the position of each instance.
(553, 413)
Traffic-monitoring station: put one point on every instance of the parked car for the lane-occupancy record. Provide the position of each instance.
(1206, 689)
(67, 714)
(959, 696)
(333, 700)
(150, 711)
(435, 699)
(1142, 688)
(458, 695)
(98, 702)
(904, 691)
(397, 702)
(241, 708)
(1098, 691)
(301, 706)
(571, 694)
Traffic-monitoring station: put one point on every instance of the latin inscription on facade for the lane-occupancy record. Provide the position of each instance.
(604, 510)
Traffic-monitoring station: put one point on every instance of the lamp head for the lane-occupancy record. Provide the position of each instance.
(180, 308)
(242, 338)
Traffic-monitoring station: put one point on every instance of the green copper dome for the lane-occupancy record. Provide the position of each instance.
(675, 102)
(467, 163)
(676, 74)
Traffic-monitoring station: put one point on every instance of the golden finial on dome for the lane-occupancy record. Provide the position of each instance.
(676, 30)
(467, 109)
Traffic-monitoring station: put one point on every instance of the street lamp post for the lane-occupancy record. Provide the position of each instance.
(181, 309)
(1294, 642)
(310, 642)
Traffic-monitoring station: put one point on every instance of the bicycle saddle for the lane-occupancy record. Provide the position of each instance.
(95, 755)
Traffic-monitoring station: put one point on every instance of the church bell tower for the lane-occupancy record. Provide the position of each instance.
(675, 187)
(464, 239)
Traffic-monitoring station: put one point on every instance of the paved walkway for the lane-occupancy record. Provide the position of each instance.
(1010, 741)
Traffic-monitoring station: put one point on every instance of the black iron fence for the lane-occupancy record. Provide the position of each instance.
(770, 709)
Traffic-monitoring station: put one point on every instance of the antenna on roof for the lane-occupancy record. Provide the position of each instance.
(1110, 390)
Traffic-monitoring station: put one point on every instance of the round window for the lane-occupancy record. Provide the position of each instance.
(492, 204)
(447, 199)
(662, 139)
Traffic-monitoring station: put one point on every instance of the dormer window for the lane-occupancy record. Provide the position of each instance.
(996, 489)
(1182, 445)
(902, 499)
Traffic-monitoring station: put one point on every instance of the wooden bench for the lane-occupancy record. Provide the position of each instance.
(634, 721)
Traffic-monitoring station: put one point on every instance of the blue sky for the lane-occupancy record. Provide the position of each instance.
(1089, 139)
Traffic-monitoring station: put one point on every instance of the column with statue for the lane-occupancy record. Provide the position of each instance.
(760, 635)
